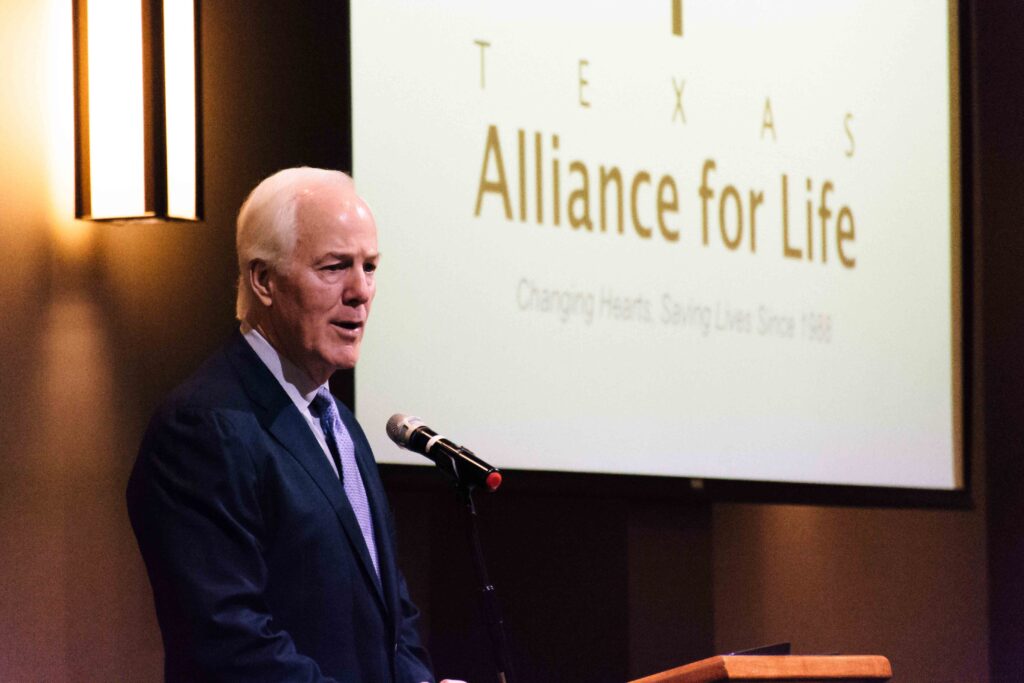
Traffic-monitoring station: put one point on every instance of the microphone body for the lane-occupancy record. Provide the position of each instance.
(456, 461)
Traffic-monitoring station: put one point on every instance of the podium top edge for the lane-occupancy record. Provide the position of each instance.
(778, 668)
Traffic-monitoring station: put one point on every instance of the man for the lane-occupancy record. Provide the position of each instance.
(255, 498)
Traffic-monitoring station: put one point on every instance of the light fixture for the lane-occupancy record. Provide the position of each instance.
(137, 116)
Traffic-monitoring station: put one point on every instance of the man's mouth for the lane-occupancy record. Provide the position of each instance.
(352, 326)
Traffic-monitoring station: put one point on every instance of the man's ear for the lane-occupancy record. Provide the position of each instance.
(259, 281)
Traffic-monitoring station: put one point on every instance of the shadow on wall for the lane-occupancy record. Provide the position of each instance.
(72, 577)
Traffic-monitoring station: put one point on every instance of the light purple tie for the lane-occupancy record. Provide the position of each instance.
(340, 444)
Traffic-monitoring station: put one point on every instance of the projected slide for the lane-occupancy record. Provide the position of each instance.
(712, 239)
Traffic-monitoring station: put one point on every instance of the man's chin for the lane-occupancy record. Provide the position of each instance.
(323, 365)
(345, 359)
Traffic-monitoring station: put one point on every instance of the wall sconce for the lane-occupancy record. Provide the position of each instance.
(137, 116)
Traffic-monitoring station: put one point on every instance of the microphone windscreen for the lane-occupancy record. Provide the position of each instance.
(400, 427)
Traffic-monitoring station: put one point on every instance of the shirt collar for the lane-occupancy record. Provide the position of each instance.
(295, 382)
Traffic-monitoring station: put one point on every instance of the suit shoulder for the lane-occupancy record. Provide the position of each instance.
(215, 385)
(213, 395)
(209, 417)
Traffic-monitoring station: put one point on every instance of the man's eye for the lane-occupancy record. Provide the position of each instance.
(369, 267)
(336, 266)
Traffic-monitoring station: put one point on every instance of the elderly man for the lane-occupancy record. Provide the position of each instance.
(255, 498)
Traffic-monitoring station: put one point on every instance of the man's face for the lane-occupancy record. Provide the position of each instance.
(320, 299)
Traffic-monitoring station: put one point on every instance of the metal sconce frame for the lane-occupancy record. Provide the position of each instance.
(156, 143)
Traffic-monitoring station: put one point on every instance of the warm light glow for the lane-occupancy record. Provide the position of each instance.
(72, 235)
(180, 81)
(116, 133)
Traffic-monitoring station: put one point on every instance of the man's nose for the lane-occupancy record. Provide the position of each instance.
(357, 288)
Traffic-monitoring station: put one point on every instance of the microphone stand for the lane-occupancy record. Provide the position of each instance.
(488, 596)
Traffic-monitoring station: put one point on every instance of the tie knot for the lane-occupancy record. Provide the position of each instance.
(322, 402)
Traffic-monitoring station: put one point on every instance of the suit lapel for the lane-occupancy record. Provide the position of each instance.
(282, 420)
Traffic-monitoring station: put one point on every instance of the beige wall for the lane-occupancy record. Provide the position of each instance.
(74, 601)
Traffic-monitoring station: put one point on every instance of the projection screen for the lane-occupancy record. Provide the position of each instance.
(711, 239)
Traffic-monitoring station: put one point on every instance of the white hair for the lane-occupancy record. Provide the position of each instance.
(266, 224)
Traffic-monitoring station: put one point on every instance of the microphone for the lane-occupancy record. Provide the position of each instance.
(457, 462)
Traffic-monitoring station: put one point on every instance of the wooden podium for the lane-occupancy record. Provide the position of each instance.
(778, 668)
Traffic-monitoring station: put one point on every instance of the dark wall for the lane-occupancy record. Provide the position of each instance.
(593, 585)
(1000, 166)
(596, 583)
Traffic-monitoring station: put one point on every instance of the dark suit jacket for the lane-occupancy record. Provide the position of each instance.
(258, 567)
